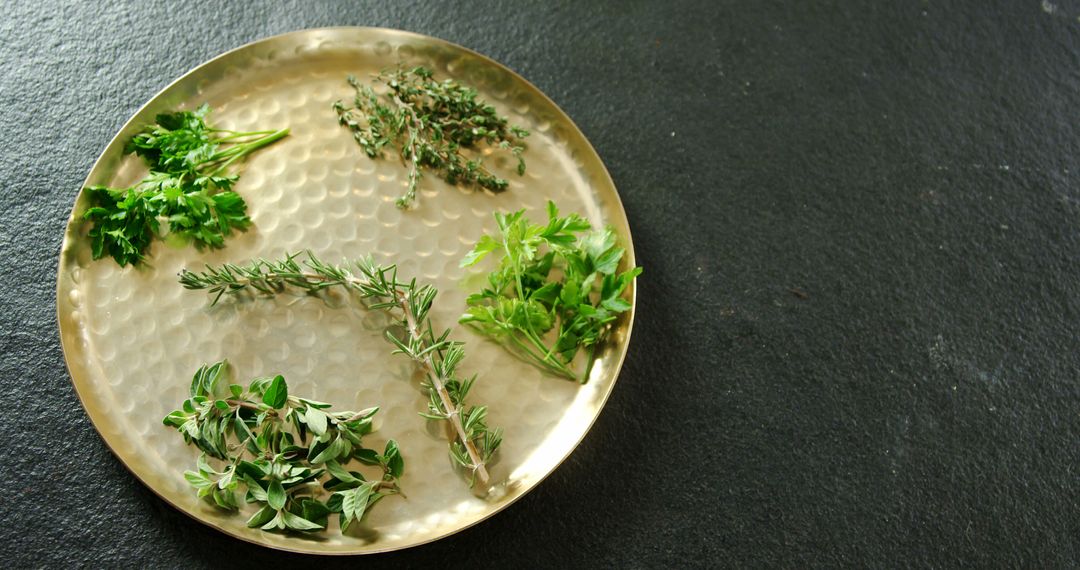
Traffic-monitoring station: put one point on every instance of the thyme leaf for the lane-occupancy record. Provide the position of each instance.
(430, 123)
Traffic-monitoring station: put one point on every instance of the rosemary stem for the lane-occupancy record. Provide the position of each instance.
(452, 413)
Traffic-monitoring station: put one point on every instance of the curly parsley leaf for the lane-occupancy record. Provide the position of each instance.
(188, 192)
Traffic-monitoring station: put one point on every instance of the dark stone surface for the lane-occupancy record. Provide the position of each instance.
(857, 330)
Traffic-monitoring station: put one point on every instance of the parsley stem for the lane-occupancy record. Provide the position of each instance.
(589, 363)
(237, 134)
(551, 367)
(239, 151)
(549, 356)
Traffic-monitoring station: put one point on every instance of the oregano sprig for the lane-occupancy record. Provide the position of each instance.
(473, 443)
(430, 123)
(278, 448)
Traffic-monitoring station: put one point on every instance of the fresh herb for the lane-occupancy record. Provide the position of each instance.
(278, 448)
(557, 277)
(473, 443)
(188, 190)
(429, 123)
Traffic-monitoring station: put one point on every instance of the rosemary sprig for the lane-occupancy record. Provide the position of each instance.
(188, 190)
(429, 123)
(473, 443)
(260, 435)
(558, 276)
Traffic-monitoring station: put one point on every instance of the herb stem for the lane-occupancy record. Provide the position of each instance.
(555, 368)
(248, 405)
(241, 150)
(413, 158)
(439, 383)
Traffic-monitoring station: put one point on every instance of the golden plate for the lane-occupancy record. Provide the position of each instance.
(132, 338)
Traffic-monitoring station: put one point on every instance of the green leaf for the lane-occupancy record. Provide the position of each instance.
(345, 522)
(315, 512)
(334, 503)
(429, 123)
(616, 305)
(203, 465)
(547, 280)
(597, 243)
(316, 421)
(275, 495)
(278, 522)
(486, 245)
(259, 385)
(394, 463)
(255, 489)
(224, 499)
(176, 418)
(608, 262)
(279, 464)
(340, 473)
(197, 480)
(337, 448)
(261, 517)
(277, 393)
(299, 523)
(254, 469)
(354, 502)
(366, 456)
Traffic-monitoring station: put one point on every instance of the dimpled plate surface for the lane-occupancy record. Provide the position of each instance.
(133, 337)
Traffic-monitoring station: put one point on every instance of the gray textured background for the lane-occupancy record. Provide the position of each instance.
(909, 169)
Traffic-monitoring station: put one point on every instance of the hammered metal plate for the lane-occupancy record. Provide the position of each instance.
(133, 337)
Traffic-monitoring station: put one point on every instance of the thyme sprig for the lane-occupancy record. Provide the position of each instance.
(429, 123)
(560, 276)
(188, 192)
(473, 443)
(278, 448)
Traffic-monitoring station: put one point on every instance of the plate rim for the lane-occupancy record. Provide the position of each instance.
(66, 245)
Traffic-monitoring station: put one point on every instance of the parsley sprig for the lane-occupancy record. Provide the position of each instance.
(188, 192)
(278, 448)
(473, 443)
(429, 123)
(559, 277)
